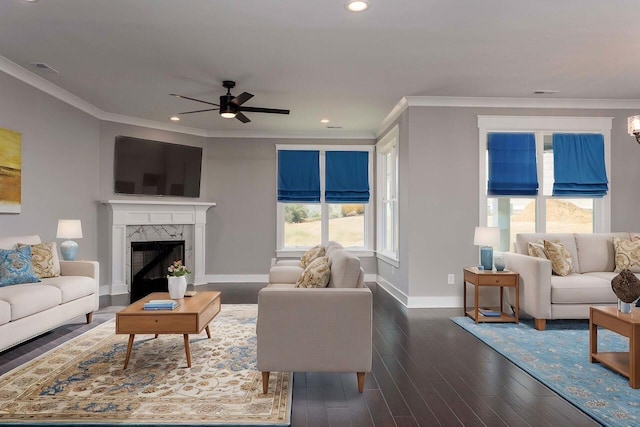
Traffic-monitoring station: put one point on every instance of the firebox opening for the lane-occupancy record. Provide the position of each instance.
(149, 263)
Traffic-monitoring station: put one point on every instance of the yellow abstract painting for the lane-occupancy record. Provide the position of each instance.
(10, 171)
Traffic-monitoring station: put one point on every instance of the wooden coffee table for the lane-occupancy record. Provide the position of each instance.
(192, 315)
(625, 324)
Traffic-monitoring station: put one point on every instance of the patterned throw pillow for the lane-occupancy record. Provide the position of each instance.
(15, 267)
(627, 254)
(44, 258)
(313, 253)
(560, 257)
(316, 275)
(537, 250)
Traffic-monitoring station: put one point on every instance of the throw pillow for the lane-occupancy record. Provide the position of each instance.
(627, 254)
(537, 250)
(560, 257)
(626, 286)
(313, 253)
(44, 258)
(15, 267)
(316, 275)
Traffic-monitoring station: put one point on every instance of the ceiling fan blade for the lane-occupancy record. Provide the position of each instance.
(263, 110)
(200, 111)
(193, 99)
(242, 98)
(242, 118)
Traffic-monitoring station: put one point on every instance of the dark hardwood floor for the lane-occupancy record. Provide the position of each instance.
(427, 371)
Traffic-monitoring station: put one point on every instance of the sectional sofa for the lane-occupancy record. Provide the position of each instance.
(546, 296)
(31, 309)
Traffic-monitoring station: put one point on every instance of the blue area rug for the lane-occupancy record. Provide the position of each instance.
(559, 358)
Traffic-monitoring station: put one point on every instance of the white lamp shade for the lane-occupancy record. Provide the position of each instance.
(633, 123)
(69, 229)
(487, 236)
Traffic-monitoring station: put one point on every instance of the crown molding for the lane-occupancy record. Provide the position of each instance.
(292, 134)
(128, 120)
(453, 101)
(393, 115)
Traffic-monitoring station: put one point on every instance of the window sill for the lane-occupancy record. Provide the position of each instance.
(388, 258)
(297, 253)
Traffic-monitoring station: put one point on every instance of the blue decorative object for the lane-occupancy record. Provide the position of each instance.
(486, 257)
(579, 169)
(16, 267)
(69, 250)
(559, 358)
(499, 263)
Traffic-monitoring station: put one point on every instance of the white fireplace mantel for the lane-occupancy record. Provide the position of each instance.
(154, 212)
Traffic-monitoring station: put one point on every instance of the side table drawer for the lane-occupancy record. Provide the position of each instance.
(497, 280)
(151, 324)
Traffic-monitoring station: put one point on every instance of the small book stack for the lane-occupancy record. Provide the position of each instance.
(489, 312)
(160, 304)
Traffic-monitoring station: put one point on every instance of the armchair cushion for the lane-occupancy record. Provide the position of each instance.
(316, 275)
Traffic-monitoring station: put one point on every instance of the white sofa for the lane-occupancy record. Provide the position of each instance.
(318, 329)
(31, 309)
(546, 296)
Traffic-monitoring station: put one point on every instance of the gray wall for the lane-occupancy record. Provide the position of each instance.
(60, 157)
(441, 174)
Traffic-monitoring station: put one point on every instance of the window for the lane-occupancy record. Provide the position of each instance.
(341, 210)
(542, 212)
(387, 190)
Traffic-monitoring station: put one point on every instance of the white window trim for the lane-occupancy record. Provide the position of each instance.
(367, 249)
(602, 125)
(390, 141)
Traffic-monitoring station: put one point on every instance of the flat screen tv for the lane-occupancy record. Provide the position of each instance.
(156, 168)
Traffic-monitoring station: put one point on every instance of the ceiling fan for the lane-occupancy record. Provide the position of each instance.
(231, 106)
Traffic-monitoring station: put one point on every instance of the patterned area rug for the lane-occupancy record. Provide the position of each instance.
(559, 358)
(82, 381)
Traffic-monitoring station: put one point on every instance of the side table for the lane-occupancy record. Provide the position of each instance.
(501, 279)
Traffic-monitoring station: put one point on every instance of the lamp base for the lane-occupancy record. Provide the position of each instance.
(69, 250)
(486, 257)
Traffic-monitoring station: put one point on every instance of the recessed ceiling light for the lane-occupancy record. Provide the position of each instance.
(358, 5)
(324, 121)
(31, 1)
(174, 118)
(545, 92)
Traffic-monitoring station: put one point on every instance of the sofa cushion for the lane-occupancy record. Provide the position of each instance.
(561, 261)
(313, 253)
(11, 242)
(5, 312)
(16, 267)
(627, 255)
(30, 298)
(567, 239)
(345, 270)
(72, 287)
(581, 289)
(596, 251)
(44, 258)
(316, 275)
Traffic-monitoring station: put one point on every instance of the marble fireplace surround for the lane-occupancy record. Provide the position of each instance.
(137, 220)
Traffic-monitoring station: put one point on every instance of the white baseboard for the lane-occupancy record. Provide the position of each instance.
(419, 302)
(104, 290)
(119, 289)
(370, 277)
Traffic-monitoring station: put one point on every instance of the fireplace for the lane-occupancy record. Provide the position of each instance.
(149, 263)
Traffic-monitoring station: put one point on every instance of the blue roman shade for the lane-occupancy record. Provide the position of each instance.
(347, 177)
(298, 176)
(512, 164)
(578, 165)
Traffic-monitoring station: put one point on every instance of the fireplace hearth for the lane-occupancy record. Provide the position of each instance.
(149, 263)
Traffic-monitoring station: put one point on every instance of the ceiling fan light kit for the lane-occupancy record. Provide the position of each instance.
(231, 106)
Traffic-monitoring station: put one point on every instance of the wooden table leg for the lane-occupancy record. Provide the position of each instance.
(208, 332)
(517, 299)
(593, 338)
(129, 347)
(187, 350)
(634, 357)
(464, 298)
(475, 297)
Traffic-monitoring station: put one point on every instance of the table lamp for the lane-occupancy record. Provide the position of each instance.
(69, 229)
(486, 238)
